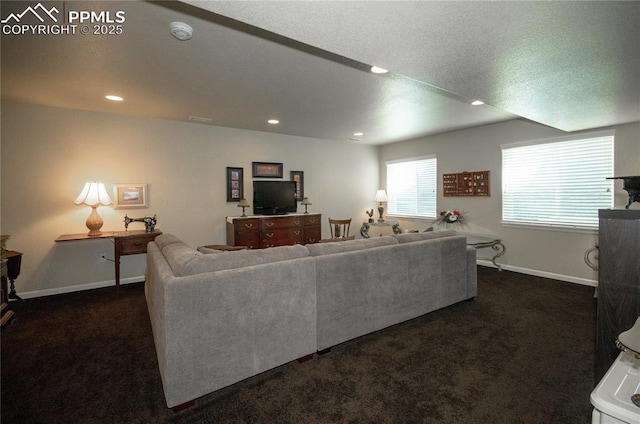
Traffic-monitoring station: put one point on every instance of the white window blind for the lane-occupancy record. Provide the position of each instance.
(558, 183)
(411, 188)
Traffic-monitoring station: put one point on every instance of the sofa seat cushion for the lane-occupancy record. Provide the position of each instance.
(320, 249)
(429, 235)
(198, 263)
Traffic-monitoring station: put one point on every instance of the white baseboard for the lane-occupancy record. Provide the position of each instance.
(560, 277)
(81, 287)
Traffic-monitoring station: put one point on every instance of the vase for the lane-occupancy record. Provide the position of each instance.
(450, 226)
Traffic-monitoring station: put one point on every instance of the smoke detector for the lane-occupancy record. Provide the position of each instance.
(181, 31)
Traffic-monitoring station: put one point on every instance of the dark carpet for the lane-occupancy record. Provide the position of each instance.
(522, 352)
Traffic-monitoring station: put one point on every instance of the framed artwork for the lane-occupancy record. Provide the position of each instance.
(267, 170)
(235, 184)
(130, 196)
(298, 177)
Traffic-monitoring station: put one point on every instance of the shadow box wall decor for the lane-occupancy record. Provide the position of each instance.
(235, 184)
(267, 170)
(130, 196)
(298, 177)
(466, 184)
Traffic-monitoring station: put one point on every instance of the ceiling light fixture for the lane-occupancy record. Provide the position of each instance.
(113, 98)
(181, 31)
(378, 70)
(358, 134)
(273, 121)
(477, 103)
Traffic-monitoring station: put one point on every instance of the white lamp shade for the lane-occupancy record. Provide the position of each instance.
(93, 194)
(381, 195)
(243, 203)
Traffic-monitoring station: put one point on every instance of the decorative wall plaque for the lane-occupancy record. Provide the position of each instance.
(466, 184)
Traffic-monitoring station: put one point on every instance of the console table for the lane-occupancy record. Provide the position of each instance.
(364, 230)
(124, 242)
(262, 231)
(481, 241)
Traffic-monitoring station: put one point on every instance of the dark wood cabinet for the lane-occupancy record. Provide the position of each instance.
(269, 231)
(312, 228)
(618, 281)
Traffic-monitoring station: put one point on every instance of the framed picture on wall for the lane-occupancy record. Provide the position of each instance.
(235, 184)
(267, 170)
(298, 177)
(130, 196)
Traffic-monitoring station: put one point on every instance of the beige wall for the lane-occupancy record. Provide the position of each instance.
(557, 254)
(48, 154)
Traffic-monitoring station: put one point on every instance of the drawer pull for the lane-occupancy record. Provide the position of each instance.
(268, 235)
(248, 225)
(297, 232)
(269, 224)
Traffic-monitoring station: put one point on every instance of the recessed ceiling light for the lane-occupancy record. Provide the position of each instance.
(358, 134)
(477, 103)
(273, 121)
(114, 98)
(378, 70)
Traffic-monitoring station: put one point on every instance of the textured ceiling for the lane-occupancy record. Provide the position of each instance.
(569, 65)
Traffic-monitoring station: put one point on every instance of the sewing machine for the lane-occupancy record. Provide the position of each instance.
(149, 222)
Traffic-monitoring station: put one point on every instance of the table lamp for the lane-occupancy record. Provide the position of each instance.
(93, 194)
(381, 196)
(243, 203)
(306, 203)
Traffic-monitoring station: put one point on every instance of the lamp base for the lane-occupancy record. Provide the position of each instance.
(94, 223)
(380, 211)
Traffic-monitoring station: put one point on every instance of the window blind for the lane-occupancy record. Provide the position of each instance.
(558, 183)
(411, 188)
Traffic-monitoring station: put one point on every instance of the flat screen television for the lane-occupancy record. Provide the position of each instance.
(274, 197)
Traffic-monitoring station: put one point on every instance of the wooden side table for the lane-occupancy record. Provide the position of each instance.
(124, 242)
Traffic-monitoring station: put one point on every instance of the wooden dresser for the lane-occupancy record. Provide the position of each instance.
(618, 281)
(259, 232)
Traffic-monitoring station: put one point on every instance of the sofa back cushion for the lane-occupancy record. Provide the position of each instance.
(179, 255)
(165, 239)
(320, 249)
(185, 260)
(429, 235)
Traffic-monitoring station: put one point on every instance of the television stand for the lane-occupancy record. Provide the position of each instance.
(262, 231)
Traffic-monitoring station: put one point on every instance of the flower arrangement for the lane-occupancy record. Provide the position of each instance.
(452, 217)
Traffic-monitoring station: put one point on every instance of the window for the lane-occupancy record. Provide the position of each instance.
(558, 182)
(411, 188)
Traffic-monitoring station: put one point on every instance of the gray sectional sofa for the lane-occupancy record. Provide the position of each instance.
(221, 317)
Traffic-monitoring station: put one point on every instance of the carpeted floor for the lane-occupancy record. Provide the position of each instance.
(522, 352)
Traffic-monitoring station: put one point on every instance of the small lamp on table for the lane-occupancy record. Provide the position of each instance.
(381, 196)
(243, 203)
